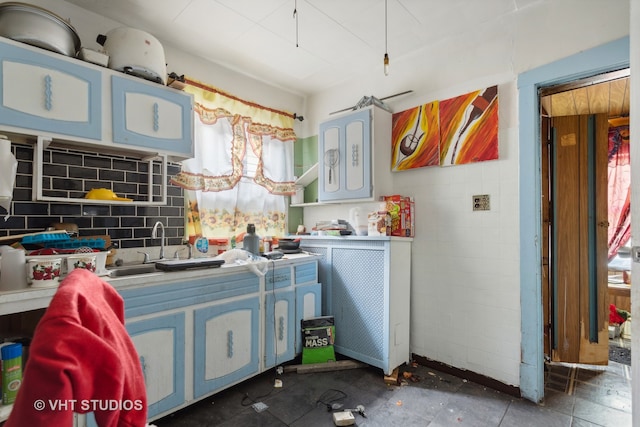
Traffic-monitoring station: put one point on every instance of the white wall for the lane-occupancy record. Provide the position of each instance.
(465, 299)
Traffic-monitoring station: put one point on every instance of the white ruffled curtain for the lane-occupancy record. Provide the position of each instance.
(243, 166)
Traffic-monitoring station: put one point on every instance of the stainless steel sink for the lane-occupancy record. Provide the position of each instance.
(130, 270)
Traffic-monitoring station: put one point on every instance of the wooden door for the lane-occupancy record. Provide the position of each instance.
(578, 237)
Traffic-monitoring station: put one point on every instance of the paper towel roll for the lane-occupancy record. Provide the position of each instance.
(8, 168)
(14, 274)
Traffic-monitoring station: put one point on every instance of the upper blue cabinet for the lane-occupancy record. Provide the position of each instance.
(45, 93)
(354, 153)
(151, 116)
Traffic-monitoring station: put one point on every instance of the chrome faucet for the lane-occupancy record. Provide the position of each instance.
(154, 235)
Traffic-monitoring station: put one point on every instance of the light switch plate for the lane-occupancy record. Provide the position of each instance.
(481, 202)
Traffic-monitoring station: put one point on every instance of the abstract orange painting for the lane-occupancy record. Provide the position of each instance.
(415, 137)
(469, 127)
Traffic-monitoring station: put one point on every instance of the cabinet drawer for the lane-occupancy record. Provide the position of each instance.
(153, 299)
(306, 273)
(277, 278)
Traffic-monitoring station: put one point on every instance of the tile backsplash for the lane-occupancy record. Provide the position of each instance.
(70, 173)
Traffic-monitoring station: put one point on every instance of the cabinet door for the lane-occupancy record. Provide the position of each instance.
(345, 158)
(153, 117)
(160, 345)
(44, 93)
(279, 327)
(359, 304)
(226, 338)
(308, 305)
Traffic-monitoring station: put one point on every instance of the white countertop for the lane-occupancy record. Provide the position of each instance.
(36, 298)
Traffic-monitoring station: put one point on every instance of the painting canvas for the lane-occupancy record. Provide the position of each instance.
(469, 127)
(415, 138)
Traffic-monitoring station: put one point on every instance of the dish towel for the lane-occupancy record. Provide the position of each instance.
(81, 360)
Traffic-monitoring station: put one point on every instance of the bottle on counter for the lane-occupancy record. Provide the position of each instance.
(266, 244)
(11, 355)
(251, 241)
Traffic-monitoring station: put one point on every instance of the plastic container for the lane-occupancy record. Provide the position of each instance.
(251, 241)
(202, 247)
(14, 274)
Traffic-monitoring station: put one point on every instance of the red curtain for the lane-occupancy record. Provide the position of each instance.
(619, 194)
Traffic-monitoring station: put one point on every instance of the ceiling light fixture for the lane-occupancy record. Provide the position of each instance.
(386, 54)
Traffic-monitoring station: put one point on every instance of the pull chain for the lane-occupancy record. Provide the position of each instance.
(295, 15)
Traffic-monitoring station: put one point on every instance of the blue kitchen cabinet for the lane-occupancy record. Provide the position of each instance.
(308, 297)
(354, 156)
(160, 342)
(152, 117)
(45, 92)
(308, 305)
(201, 331)
(226, 344)
(279, 327)
(369, 279)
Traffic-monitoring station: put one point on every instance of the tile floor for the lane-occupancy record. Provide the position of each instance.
(576, 396)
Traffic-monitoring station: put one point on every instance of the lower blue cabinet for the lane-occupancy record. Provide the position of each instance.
(160, 342)
(279, 327)
(226, 344)
(308, 305)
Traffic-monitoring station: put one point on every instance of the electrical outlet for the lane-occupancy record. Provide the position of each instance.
(481, 202)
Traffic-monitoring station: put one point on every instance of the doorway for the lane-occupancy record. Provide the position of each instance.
(579, 216)
(585, 175)
(609, 56)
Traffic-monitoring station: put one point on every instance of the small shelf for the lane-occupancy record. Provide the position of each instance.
(303, 205)
(152, 199)
(309, 176)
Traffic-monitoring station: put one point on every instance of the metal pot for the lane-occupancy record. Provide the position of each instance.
(288, 244)
(38, 27)
(135, 52)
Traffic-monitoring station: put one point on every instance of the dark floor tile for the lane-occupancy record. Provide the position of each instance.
(393, 414)
(600, 414)
(609, 392)
(473, 405)
(601, 397)
(558, 401)
(251, 418)
(522, 413)
(577, 422)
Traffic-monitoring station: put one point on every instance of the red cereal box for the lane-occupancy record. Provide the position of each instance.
(402, 213)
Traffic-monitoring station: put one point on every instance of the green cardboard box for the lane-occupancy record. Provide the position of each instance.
(318, 336)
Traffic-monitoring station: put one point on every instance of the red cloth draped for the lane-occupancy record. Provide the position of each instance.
(619, 191)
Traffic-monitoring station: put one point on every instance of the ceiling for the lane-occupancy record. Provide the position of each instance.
(330, 42)
(607, 93)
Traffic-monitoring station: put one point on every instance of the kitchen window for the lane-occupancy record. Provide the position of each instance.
(243, 166)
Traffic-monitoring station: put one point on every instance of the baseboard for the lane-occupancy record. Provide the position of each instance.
(468, 375)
